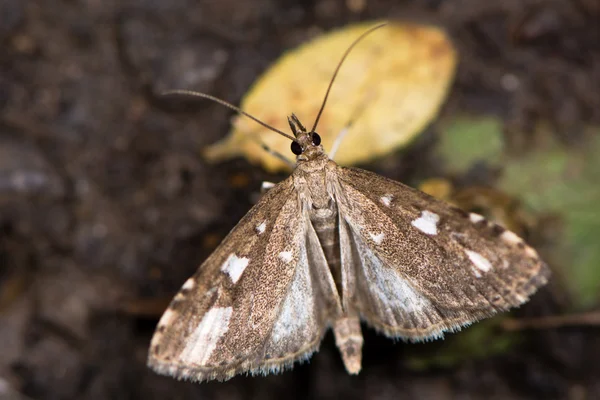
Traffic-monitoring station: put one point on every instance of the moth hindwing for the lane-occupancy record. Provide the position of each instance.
(328, 247)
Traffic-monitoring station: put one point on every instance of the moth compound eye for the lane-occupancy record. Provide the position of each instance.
(296, 148)
(316, 139)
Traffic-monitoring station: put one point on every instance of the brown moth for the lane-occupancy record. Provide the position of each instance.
(328, 247)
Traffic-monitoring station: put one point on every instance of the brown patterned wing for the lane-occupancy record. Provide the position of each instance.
(421, 266)
(251, 306)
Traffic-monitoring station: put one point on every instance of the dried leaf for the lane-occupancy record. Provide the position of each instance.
(391, 85)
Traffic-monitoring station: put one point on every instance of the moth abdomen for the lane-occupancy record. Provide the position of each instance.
(349, 340)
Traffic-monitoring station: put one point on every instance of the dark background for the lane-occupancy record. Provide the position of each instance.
(106, 206)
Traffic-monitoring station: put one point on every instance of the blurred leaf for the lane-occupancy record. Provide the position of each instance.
(468, 139)
(392, 83)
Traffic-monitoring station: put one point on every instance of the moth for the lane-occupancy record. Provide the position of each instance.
(329, 247)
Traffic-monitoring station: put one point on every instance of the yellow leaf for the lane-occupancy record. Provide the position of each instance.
(391, 85)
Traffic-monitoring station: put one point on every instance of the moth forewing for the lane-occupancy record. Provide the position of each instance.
(426, 267)
(229, 317)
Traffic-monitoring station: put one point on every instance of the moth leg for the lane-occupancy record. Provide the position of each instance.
(358, 111)
(349, 340)
(338, 139)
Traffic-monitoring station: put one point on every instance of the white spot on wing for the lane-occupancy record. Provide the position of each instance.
(286, 256)
(475, 218)
(266, 185)
(377, 238)
(387, 200)
(480, 262)
(531, 252)
(190, 283)
(260, 228)
(510, 237)
(427, 222)
(203, 341)
(167, 317)
(520, 299)
(234, 266)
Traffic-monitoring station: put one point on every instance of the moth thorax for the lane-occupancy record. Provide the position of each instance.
(349, 340)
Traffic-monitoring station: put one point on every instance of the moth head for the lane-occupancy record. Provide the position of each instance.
(307, 145)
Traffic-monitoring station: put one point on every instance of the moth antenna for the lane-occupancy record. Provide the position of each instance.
(226, 104)
(337, 69)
